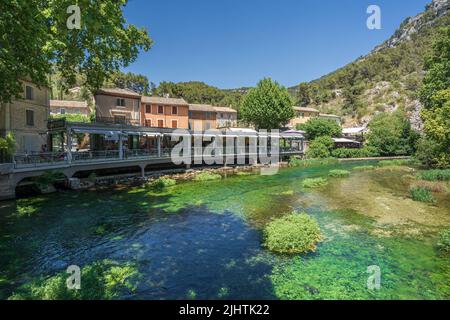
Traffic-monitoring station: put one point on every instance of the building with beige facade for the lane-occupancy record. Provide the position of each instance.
(225, 117)
(164, 112)
(26, 118)
(62, 107)
(114, 105)
(302, 115)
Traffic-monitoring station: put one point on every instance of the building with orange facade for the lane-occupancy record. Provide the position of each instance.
(163, 112)
(204, 117)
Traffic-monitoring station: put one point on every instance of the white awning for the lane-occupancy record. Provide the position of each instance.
(343, 140)
(141, 133)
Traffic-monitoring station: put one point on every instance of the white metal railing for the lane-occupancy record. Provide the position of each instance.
(58, 158)
(41, 159)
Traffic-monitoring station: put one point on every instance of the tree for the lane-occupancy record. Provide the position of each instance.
(320, 147)
(317, 127)
(391, 134)
(303, 94)
(268, 106)
(136, 82)
(36, 40)
(434, 148)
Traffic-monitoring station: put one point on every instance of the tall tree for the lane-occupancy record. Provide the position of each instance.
(391, 134)
(35, 38)
(435, 96)
(136, 82)
(268, 106)
(303, 94)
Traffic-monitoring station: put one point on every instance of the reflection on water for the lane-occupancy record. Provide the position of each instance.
(203, 240)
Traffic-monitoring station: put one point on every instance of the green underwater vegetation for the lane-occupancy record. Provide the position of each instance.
(366, 219)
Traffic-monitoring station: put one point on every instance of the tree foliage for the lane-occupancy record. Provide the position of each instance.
(36, 40)
(434, 148)
(268, 106)
(317, 127)
(391, 135)
(136, 82)
(199, 92)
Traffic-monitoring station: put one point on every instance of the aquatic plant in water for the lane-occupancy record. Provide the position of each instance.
(207, 176)
(294, 233)
(444, 241)
(314, 182)
(363, 168)
(162, 183)
(102, 280)
(339, 173)
(434, 175)
(296, 162)
(421, 194)
(396, 162)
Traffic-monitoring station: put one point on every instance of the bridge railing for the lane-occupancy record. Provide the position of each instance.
(93, 156)
(58, 158)
(43, 159)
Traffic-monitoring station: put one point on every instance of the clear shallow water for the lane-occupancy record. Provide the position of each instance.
(203, 239)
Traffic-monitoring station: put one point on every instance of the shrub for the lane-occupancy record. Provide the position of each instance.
(434, 175)
(317, 150)
(162, 183)
(207, 176)
(101, 280)
(294, 233)
(421, 194)
(339, 173)
(92, 177)
(363, 168)
(314, 183)
(444, 241)
(346, 153)
(48, 178)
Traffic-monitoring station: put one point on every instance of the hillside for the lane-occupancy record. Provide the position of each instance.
(386, 79)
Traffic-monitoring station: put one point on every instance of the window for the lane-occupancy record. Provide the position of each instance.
(148, 108)
(174, 124)
(29, 93)
(160, 109)
(30, 117)
(174, 110)
(160, 123)
(148, 122)
(121, 102)
(208, 116)
(63, 111)
(190, 114)
(207, 126)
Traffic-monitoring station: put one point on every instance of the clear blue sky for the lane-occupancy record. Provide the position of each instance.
(235, 43)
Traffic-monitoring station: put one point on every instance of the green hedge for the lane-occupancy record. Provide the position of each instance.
(345, 153)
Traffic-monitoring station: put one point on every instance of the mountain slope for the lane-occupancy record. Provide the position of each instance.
(385, 80)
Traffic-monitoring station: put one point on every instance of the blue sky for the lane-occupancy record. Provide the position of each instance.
(235, 43)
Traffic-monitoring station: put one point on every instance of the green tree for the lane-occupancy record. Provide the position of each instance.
(268, 106)
(391, 134)
(320, 147)
(36, 40)
(317, 127)
(136, 82)
(7, 147)
(303, 94)
(434, 148)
